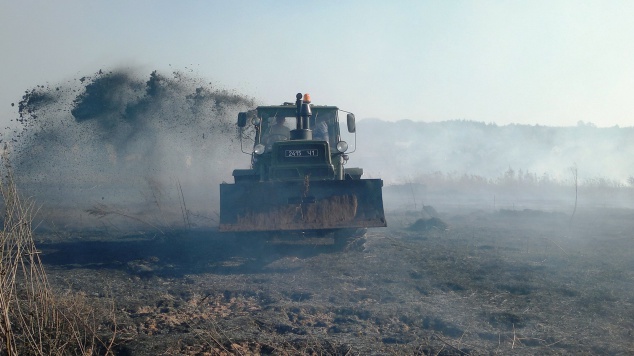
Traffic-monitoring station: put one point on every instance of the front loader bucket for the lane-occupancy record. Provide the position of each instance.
(301, 205)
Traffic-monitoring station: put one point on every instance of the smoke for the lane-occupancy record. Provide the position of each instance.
(409, 149)
(160, 146)
(511, 166)
(122, 142)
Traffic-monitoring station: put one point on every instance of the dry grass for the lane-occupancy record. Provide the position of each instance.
(33, 320)
(157, 209)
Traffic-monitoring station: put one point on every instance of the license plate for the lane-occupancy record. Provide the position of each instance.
(301, 153)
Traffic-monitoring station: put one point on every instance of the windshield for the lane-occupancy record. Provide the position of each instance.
(277, 124)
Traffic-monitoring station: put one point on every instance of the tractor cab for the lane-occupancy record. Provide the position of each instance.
(297, 180)
(294, 140)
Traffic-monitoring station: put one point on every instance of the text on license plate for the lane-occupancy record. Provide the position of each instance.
(301, 153)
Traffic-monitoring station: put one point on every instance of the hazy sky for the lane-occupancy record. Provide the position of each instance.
(530, 62)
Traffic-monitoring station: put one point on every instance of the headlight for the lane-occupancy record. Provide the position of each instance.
(342, 146)
(259, 149)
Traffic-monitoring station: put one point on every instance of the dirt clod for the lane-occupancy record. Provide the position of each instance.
(424, 224)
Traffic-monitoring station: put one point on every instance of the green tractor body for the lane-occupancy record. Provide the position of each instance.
(297, 180)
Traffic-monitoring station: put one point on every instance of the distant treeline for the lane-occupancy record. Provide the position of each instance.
(512, 189)
(405, 151)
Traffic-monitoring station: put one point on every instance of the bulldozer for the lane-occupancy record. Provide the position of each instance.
(298, 180)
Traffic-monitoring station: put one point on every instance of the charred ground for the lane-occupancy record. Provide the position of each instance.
(521, 282)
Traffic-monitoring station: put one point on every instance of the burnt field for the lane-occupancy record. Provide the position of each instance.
(123, 174)
(466, 282)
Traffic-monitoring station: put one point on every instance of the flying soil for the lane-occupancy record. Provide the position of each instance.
(298, 180)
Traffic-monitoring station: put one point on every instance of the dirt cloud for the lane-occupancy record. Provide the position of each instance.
(124, 142)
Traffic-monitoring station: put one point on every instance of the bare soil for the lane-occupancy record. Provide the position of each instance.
(470, 282)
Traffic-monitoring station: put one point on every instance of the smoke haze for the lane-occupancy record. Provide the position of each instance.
(151, 145)
(407, 149)
(124, 142)
(512, 166)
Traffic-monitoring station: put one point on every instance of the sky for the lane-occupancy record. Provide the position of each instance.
(552, 63)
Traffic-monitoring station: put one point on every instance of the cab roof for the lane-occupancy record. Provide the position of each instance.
(290, 110)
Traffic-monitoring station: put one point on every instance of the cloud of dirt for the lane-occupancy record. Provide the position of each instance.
(128, 145)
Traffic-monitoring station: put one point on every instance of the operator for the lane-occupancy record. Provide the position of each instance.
(320, 133)
(278, 132)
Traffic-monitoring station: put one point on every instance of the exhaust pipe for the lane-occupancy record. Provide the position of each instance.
(302, 114)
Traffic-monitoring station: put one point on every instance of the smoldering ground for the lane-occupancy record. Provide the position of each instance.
(117, 144)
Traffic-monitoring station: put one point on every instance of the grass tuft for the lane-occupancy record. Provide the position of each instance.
(34, 320)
